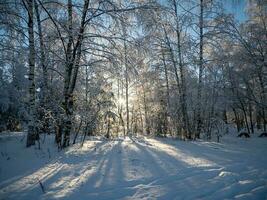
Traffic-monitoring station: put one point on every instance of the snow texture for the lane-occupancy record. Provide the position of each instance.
(134, 168)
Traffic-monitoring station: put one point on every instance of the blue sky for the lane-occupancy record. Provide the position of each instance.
(237, 7)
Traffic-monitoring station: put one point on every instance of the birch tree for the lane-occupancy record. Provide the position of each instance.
(32, 126)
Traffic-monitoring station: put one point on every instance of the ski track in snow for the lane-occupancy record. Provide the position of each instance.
(137, 168)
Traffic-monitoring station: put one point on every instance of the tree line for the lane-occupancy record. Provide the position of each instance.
(111, 68)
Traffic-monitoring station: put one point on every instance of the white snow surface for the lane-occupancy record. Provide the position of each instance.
(134, 168)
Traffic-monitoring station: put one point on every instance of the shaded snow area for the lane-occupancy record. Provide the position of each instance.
(138, 168)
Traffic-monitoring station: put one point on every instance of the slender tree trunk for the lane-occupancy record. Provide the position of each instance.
(42, 52)
(126, 80)
(167, 90)
(32, 129)
(225, 116)
(251, 117)
(263, 101)
(237, 120)
(73, 56)
(245, 116)
(200, 75)
(108, 129)
(173, 60)
(132, 121)
(183, 88)
(85, 133)
(258, 117)
(67, 77)
(177, 79)
(141, 120)
(166, 77)
(147, 127)
(77, 132)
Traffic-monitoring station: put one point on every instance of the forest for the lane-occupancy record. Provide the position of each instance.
(145, 87)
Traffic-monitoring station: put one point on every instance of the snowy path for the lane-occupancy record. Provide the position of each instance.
(137, 169)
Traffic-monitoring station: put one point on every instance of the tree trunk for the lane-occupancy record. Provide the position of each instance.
(147, 125)
(200, 75)
(237, 120)
(245, 116)
(42, 52)
(183, 90)
(258, 117)
(225, 116)
(177, 79)
(167, 90)
(73, 56)
(251, 117)
(32, 129)
(77, 132)
(166, 76)
(126, 80)
(263, 101)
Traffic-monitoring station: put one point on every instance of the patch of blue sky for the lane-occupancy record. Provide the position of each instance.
(237, 8)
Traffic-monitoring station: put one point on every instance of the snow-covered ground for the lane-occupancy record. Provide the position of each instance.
(139, 168)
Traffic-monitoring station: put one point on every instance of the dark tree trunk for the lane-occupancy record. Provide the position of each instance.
(32, 127)
(200, 75)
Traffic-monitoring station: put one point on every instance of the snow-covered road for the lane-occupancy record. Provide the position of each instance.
(139, 168)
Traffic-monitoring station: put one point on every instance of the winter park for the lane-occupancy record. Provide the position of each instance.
(133, 99)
